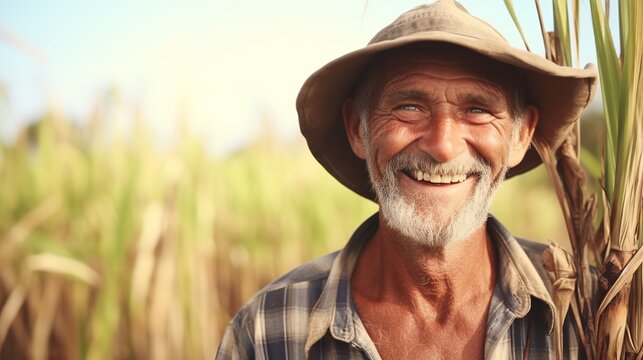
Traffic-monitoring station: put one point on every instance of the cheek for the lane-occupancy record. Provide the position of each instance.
(389, 137)
(493, 145)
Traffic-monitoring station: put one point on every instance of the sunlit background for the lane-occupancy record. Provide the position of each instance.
(152, 172)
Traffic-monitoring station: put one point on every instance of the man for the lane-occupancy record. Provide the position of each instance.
(426, 120)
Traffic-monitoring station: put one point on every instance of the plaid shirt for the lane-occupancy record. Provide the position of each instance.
(309, 313)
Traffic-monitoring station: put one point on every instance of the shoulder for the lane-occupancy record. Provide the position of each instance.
(305, 281)
(277, 313)
(531, 247)
(534, 251)
(521, 258)
(308, 272)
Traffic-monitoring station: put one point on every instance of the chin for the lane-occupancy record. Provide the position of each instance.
(432, 227)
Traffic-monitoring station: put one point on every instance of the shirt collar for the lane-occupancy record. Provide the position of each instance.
(334, 309)
(519, 281)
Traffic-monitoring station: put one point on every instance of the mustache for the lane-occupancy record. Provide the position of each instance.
(411, 160)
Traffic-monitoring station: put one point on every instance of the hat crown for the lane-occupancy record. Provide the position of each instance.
(446, 16)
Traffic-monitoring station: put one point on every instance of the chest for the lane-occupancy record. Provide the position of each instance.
(400, 334)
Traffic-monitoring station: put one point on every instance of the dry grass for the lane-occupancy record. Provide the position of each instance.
(115, 249)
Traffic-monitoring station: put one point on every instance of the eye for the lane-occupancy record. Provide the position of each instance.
(410, 113)
(477, 110)
(478, 115)
(408, 107)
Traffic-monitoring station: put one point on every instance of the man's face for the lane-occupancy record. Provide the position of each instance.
(438, 141)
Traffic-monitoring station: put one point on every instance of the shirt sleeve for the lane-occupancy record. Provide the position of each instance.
(237, 342)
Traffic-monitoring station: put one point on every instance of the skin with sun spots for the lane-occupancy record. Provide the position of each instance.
(419, 301)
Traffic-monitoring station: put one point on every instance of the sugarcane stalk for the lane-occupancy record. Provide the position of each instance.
(612, 317)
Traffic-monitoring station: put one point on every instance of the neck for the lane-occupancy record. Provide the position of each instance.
(392, 268)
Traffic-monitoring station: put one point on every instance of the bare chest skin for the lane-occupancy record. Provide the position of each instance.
(400, 333)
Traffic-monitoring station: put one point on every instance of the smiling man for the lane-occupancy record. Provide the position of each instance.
(427, 120)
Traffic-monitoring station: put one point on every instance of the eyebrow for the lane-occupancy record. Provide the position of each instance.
(491, 101)
(489, 95)
(406, 94)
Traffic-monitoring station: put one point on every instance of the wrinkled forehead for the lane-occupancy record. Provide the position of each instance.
(447, 61)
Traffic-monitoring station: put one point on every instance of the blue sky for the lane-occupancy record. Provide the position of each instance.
(222, 65)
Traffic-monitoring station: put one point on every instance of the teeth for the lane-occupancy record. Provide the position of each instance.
(439, 179)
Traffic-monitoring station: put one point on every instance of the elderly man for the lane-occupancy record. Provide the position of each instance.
(426, 120)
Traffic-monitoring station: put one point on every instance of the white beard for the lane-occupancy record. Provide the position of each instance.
(438, 229)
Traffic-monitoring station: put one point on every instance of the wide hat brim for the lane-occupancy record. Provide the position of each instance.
(560, 94)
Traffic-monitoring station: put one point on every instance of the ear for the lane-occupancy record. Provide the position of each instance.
(521, 143)
(351, 125)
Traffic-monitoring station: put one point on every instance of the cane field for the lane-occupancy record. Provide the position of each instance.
(113, 247)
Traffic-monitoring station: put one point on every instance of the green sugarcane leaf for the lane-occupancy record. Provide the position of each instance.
(624, 21)
(610, 72)
(561, 27)
(629, 148)
(510, 8)
(576, 11)
(543, 31)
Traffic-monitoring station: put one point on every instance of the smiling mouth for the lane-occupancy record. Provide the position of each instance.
(434, 178)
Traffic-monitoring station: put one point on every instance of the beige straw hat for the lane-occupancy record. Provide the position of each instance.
(560, 93)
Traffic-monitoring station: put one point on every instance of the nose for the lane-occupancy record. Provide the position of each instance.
(442, 138)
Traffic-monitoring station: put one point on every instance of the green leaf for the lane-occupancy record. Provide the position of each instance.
(610, 72)
(510, 8)
(561, 27)
(624, 21)
(543, 31)
(576, 11)
(629, 173)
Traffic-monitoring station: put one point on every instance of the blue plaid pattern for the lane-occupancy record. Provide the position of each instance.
(309, 313)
